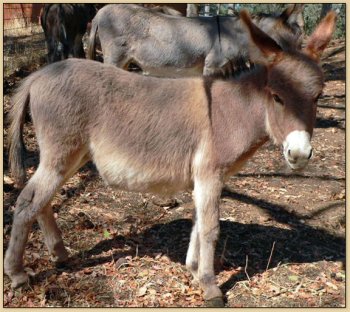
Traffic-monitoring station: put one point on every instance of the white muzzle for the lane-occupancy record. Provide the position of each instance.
(297, 149)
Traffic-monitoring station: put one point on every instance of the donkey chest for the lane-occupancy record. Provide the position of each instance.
(242, 158)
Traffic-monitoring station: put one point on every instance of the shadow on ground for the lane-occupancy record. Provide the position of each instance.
(300, 243)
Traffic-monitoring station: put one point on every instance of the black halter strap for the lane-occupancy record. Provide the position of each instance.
(219, 30)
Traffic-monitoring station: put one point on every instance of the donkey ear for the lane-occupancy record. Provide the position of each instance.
(320, 38)
(293, 16)
(268, 47)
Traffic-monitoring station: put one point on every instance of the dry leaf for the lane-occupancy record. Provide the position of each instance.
(142, 291)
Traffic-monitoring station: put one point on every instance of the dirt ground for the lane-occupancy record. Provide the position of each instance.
(282, 241)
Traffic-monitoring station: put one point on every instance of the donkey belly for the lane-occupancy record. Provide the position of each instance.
(166, 61)
(129, 173)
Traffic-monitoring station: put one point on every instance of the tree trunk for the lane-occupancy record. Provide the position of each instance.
(218, 9)
(231, 9)
(207, 10)
(192, 10)
(326, 7)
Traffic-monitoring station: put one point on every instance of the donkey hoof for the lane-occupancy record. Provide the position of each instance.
(59, 253)
(19, 280)
(58, 260)
(217, 302)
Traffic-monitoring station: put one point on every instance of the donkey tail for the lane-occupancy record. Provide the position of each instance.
(92, 40)
(17, 149)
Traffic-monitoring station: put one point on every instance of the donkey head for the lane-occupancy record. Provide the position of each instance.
(292, 16)
(286, 28)
(294, 83)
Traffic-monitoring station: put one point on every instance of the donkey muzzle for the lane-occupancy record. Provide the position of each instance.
(297, 149)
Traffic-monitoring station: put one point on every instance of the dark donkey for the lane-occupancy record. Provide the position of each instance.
(64, 26)
(161, 135)
(175, 46)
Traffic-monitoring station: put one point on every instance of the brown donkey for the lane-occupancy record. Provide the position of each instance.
(161, 135)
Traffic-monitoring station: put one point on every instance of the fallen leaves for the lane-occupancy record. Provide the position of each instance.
(339, 195)
(293, 278)
(271, 287)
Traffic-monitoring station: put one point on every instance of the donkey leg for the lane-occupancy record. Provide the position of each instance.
(78, 49)
(206, 195)
(31, 201)
(192, 257)
(46, 220)
(116, 54)
(52, 235)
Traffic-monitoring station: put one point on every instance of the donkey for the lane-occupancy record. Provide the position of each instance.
(165, 9)
(64, 26)
(185, 133)
(175, 46)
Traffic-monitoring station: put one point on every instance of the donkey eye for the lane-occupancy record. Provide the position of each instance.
(277, 99)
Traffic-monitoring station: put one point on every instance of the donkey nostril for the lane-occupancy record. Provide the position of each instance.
(310, 155)
(292, 159)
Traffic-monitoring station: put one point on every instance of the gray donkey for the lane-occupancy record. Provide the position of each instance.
(175, 46)
(161, 135)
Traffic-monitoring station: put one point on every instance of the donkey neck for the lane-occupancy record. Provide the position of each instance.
(238, 111)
